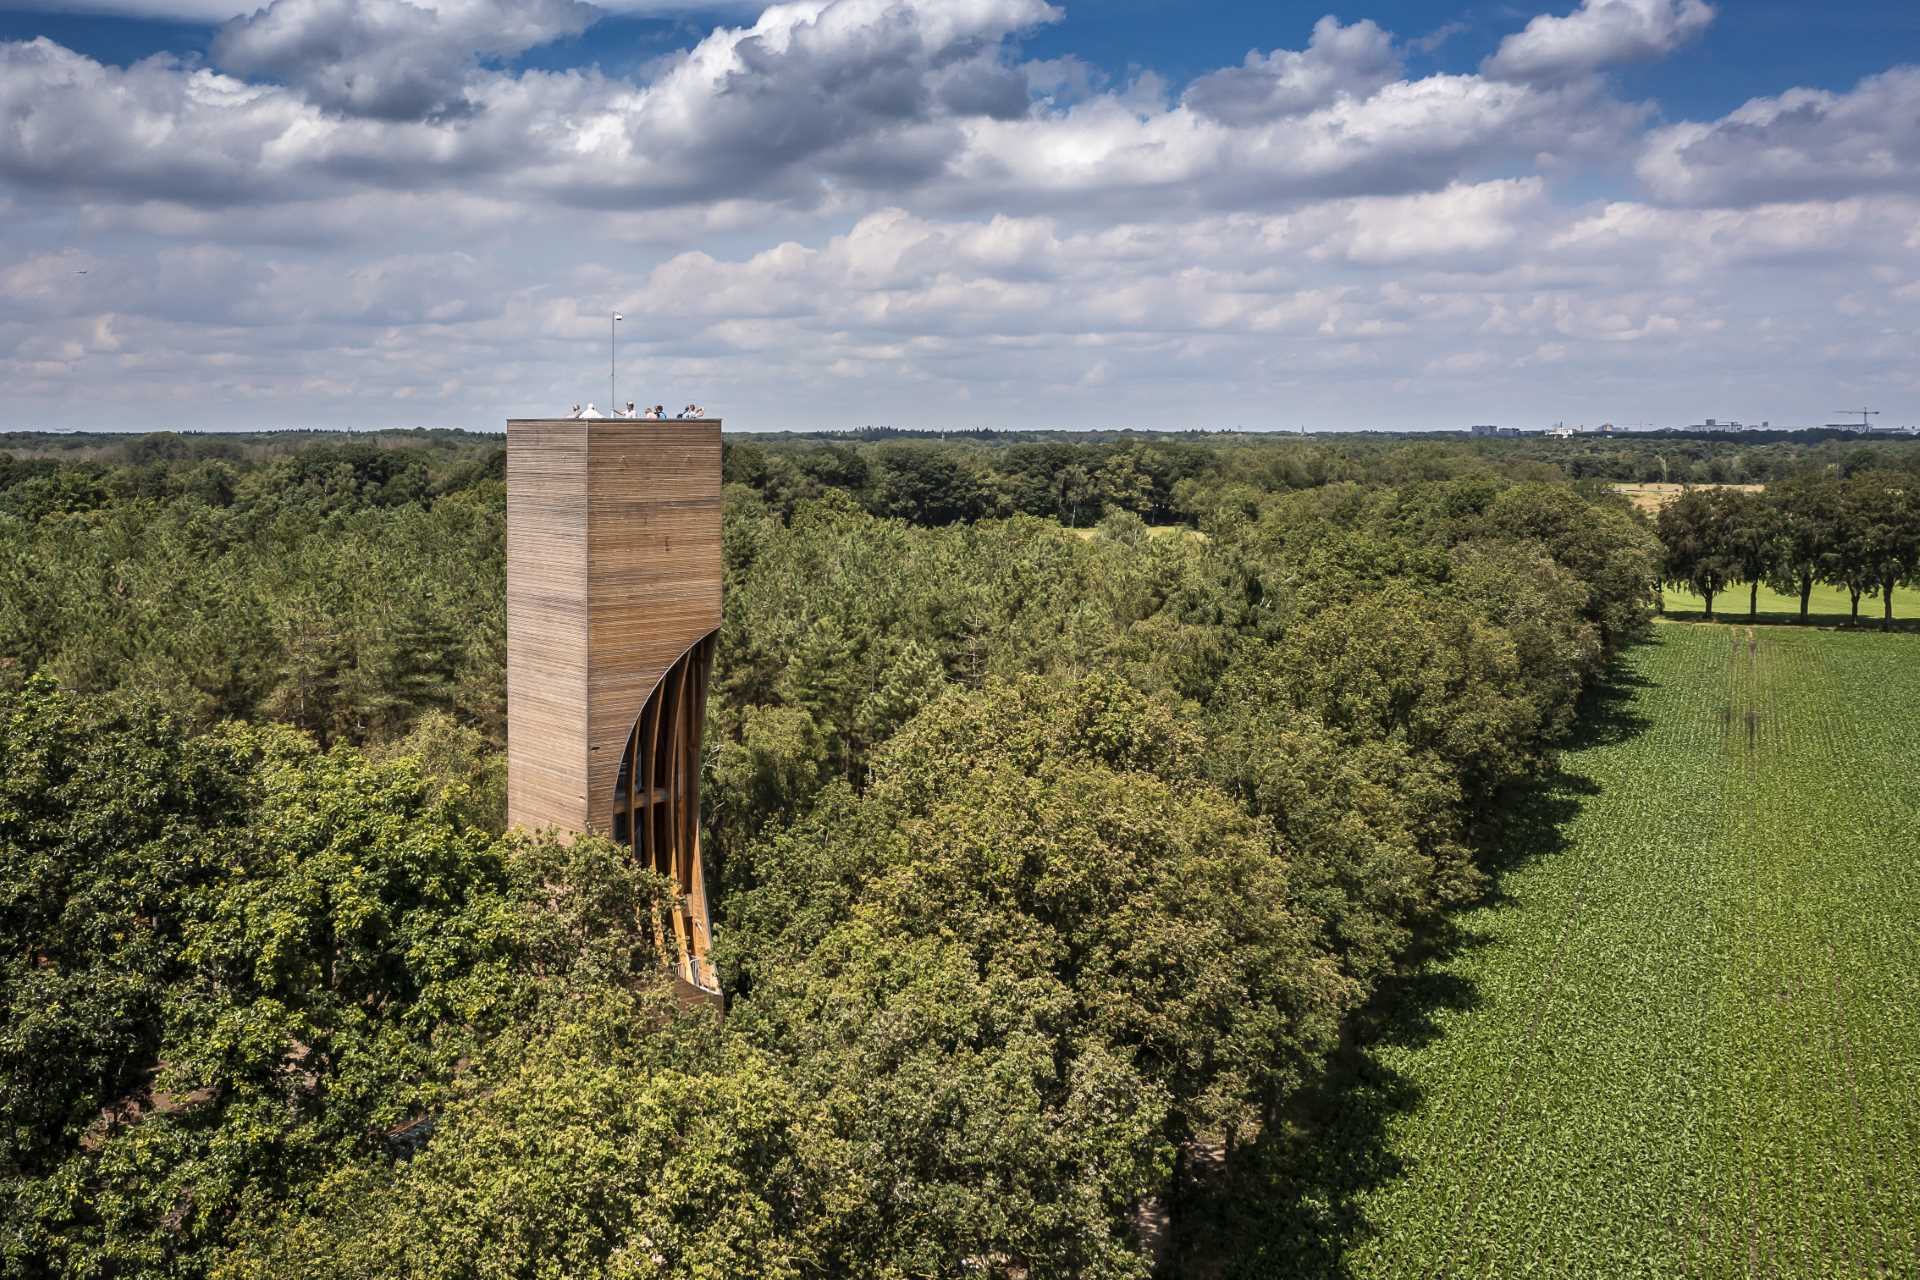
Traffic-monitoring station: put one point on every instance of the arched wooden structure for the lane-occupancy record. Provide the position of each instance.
(656, 805)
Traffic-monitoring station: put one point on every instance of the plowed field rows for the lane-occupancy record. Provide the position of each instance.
(1693, 1043)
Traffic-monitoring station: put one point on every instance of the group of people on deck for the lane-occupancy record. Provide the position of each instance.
(657, 413)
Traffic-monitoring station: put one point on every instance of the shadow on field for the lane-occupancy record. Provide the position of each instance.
(1290, 1204)
(1815, 621)
(1606, 715)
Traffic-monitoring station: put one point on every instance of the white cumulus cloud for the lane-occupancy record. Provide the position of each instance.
(1600, 33)
(1803, 143)
(845, 211)
(1351, 60)
(397, 59)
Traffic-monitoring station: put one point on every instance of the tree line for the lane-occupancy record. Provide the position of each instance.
(1052, 865)
(1858, 532)
(1171, 479)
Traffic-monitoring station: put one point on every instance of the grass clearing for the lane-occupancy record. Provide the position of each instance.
(1652, 498)
(1089, 532)
(1683, 1038)
(1828, 606)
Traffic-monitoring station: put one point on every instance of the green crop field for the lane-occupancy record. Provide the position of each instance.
(1828, 606)
(1683, 1036)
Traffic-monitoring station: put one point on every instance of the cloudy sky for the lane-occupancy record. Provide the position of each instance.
(957, 213)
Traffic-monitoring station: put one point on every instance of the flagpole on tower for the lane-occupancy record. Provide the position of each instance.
(613, 403)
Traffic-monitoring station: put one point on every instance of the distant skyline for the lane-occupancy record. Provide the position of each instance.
(959, 213)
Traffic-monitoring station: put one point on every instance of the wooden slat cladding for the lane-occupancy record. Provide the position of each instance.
(613, 573)
(653, 534)
(547, 624)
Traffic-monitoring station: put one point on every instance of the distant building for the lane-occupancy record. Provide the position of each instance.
(1714, 424)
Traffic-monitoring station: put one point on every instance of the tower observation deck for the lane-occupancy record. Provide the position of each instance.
(613, 607)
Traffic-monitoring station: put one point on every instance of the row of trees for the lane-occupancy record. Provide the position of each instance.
(1046, 863)
(1860, 533)
(1172, 480)
(945, 482)
(1706, 458)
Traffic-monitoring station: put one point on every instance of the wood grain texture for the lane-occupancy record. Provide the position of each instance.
(613, 572)
(653, 574)
(547, 625)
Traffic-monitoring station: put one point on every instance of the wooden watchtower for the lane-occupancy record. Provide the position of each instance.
(613, 605)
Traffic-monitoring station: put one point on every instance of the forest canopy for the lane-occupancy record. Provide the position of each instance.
(1066, 803)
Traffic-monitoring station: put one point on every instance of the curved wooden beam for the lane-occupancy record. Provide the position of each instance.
(658, 793)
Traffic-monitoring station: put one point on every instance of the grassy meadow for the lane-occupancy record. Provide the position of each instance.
(1682, 1036)
(1829, 606)
(1652, 498)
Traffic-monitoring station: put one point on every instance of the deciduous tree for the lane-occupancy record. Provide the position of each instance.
(1751, 528)
(1888, 510)
(1808, 511)
(1698, 554)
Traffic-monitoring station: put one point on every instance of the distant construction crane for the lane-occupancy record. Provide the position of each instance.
(1864, 415)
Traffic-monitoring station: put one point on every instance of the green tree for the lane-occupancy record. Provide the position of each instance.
(1416, 668)
(1031, 966)
(1374, 832)
(1851, 559)
(1698, 555)
(931, 485)
(1888, 510)
(620, 1136)
(1752, 533)
(231, 964)
(1606, 550)
(1808, 512)
(459, 764)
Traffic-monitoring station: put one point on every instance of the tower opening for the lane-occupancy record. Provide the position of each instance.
(656, 803)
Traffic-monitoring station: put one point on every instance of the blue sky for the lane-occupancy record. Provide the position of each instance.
(1755, 46)
(971, 212)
